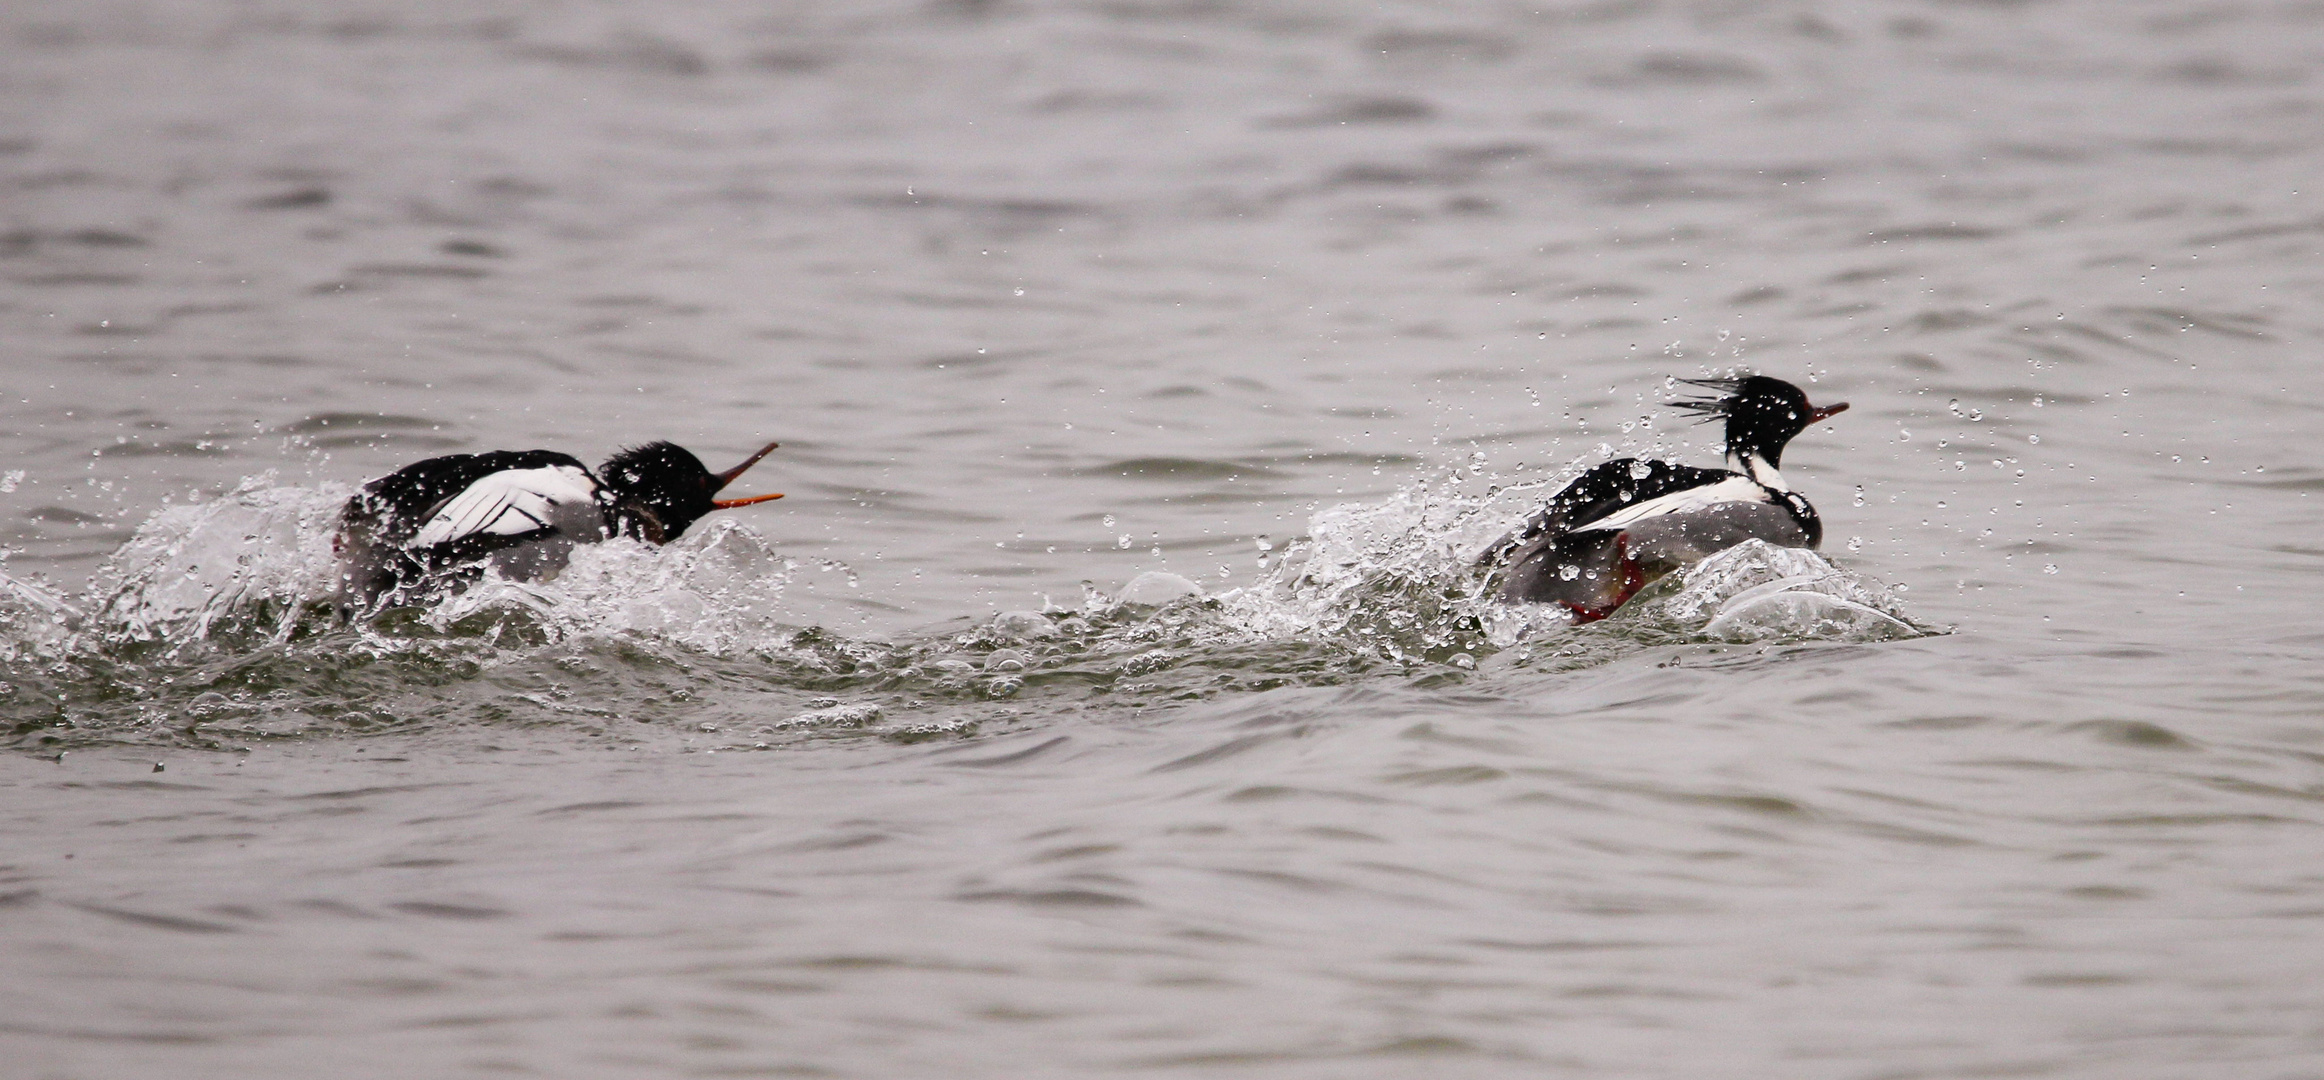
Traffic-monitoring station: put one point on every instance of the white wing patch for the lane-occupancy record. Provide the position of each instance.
(509, 503)
(1736, 489)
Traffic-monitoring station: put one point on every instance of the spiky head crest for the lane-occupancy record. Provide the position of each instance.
(665, 481)
(1762, 413)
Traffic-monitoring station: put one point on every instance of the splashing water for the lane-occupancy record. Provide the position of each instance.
(718, 591)
(1756, 592)
(249, 563)
(218, 623)
(34, 621)
(1400, 578)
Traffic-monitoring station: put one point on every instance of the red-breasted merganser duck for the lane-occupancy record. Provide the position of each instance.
(1629, 521)
(519, 512)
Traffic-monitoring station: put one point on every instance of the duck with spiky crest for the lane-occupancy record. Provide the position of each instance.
(1629, 521)
(438, 523)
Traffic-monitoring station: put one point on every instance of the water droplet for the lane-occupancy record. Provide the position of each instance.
(1855, 544)
(2033, 438)
(1568, 572)
(1640, 470)
(2049, 568)
(1107, 521)
(1123, 541)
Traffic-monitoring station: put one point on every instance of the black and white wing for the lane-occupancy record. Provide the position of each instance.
(1630, 487)
(515, 503)
(1685, 500)
(441, 517)
(392, 510)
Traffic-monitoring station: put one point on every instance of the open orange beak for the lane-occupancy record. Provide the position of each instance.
(729, 476)
(1816, 417)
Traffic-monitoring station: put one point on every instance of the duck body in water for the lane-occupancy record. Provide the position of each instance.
(1629, 521)
(442, 522)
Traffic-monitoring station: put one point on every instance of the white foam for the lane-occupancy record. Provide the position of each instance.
(261, 557)
(34, 619)
(719, 590)
(1757, 592)
(258, 552)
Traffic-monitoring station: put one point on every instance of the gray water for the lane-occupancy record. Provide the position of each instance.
(912, 774)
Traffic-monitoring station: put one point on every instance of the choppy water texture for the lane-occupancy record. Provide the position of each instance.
(1113, 694)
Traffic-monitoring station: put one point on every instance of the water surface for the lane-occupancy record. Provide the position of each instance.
(909, 775)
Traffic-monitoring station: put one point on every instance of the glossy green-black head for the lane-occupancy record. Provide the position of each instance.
(1762, 413)
(661, 488)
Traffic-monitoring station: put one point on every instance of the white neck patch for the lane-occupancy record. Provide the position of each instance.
(1753, 466)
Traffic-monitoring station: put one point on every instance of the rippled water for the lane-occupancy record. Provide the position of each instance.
(1112, 694)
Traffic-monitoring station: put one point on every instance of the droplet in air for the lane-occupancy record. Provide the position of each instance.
(1568, 572)
(1640, 470)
